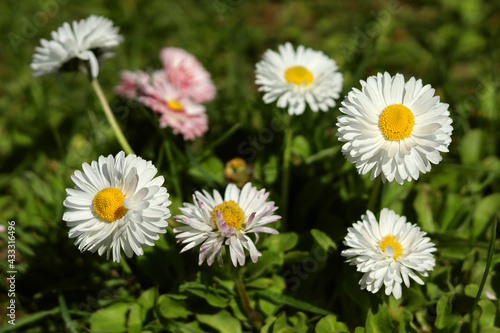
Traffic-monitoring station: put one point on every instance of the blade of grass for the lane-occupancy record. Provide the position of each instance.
(70, 325)
(491, 250)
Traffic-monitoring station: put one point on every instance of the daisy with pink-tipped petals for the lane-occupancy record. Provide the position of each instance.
(177, 111)
(187, 74)
(132, 83)
(214, 221)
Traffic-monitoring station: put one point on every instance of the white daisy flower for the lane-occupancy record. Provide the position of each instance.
(214, 221)
(76, 47)
(296, 77)
(117, 203)
(389, 252)
(395, 128)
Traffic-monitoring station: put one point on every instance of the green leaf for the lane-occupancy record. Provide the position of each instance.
(147, 301)
(325, 153)
(443, 309)
(110, 319)
(28, 320)
(379, 321)
(490, 330)
(214, 296)
(260, 283)
(290, 301)
(359, 330)
(270, 170)
(301, 147)
(323, 240)
(135, 318)
(330, 324)
(488, 313)
(471, 290)
(472, 146)
(268, 260)
(282, 242)
(222, 321)
(486, 209)
(171, 308)
(281, 325)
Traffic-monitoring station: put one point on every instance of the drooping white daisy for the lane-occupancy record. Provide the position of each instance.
(76, 47)
(214, 221)
(388, 252)
(117, 204)
(296, 77)
(395, 128)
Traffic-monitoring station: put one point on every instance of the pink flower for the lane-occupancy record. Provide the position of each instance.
(187, 74)
(131, 83)
(177, 111)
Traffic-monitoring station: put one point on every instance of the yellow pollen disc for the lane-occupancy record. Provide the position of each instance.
(108, 204)
(175, 105)
(231, 213)
(298, 75)
(396, 122)
(390, 240)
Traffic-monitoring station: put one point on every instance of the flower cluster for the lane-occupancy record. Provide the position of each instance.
(176, 92)
(392, 127)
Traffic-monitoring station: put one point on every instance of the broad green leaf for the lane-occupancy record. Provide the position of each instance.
(323, 240)
(172, 308)
(267, 261)
(214, 296)
(471, 290)
(135, 318)
(405, 321)
(472, 146)
(222, 321)
(380, 321)
(359, 330)
(270, 170)
(293, 257)
(282, 242)
(147, 301)
(299, 323)
(260, 283)
(301, 147)
(443, 309)
(290, 301)
(281, 323)
(110, 319)
(486, 209)
(330, 324)
(488, 313)
(424, 207)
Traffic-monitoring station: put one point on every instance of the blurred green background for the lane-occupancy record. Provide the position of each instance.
(50, 125)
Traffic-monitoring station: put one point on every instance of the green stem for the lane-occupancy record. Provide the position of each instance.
(491, 251)
(372, 201)
(240, 287)
(111, 118)
(173, 169)
(125, 266)
(285, 180)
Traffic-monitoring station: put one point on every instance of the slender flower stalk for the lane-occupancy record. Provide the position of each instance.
(173, 168)
(245, 300)
(111, 118)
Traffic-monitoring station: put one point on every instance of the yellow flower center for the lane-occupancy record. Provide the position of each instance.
(298, 75)
(396, 122)
(108, 204)
(175, 105)
(396, 247)
(231, 213)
